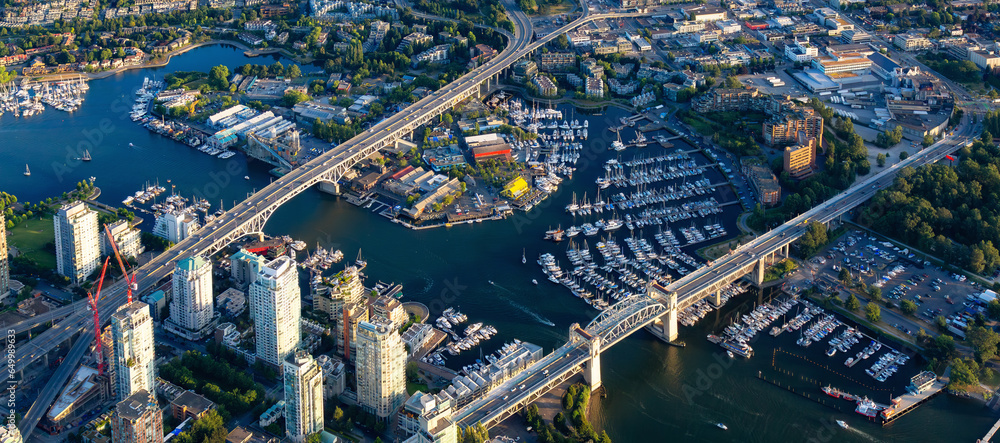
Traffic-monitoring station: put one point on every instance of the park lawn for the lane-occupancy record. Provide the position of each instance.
(30, 238)
(547, 9)
(194, 85)
(414, 387)
(779, 270)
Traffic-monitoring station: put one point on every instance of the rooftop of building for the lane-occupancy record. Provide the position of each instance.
(82, 382)
(193, 402)
(135, 405)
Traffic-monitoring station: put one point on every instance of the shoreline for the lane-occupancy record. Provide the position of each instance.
(163, 61)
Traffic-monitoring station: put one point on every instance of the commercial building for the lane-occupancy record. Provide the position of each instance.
(276, 307)
(987, 60)
(303, 397)
(380, 370)
(786, 127)
(137, 419)
(704, 13)
(244, 268)
(764, 184)
(192, 306)
(800, 159)
(342, 297)
(127, 238)
(4, 260)
(85, 392)
(801, 50)
(78, 252)
(911, 42)
(884, 67)
(488, 146)
(848, 62)
(132, 331)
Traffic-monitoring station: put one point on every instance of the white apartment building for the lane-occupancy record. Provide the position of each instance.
(128, 239)
(191, 307)
(303, 397)
(132, 331)
(175, 226)
(276, 307)
(381, 369)
(78, 252)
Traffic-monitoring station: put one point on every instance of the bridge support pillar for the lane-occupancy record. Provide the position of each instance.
(717, 299)
(592, 368)
(330, 188)
(668, 322)
(758, 272)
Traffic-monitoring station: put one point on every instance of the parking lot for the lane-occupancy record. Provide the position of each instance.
(901, 275)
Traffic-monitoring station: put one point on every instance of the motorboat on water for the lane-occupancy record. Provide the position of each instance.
(842, 424)
(722, 426)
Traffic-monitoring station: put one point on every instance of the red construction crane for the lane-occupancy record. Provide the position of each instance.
(92, 299)
(130, 280)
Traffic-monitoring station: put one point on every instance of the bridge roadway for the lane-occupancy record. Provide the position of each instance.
(250, 216)
(638, 311)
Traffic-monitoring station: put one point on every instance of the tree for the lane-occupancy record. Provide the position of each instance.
(964, 373)
(218, 78)
(293, 72)
(814, 238)
(880, 159)
(411, 371)
(873, 313)
(5, 75)
(908, 307)
(927, 141)
(993, 308)
(562, 42)
(903, 155)
(852, 303)
(983, 341)
(844, 276)
(875, 294)
(293, 97)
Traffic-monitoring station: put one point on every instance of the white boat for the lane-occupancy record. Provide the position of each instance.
(722, 426)
(27, 172)
(533, 281)
(842, 424)
(246, 177)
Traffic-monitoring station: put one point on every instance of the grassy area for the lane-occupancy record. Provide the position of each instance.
(560, 8)
(712, 252)
(992, 379)
(30, 238)
(414, 387)
(779, 270)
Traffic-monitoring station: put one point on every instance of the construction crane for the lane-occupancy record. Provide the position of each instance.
(92, 299)
(130, 280)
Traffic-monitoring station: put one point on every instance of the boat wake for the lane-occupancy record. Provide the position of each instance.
(523, 308)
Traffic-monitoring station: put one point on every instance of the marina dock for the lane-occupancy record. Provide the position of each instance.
(909, 401)
(989, 435)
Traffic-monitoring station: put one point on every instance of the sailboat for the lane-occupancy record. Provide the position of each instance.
(27, 172)
(523, 258)
(86, 155)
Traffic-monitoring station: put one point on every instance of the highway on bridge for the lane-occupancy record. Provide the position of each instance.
(255, 210)
(510, 395)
